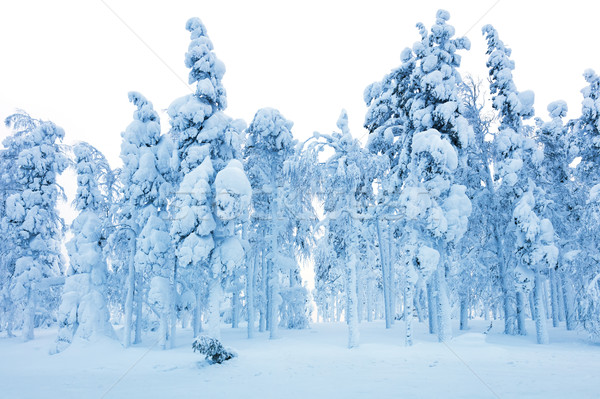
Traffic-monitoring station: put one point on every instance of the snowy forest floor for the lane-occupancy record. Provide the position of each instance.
(312, 363)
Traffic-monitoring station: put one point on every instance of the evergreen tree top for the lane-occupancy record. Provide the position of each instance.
(205, 68)
(512, 104)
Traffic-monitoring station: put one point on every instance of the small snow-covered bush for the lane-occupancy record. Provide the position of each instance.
(214, 351)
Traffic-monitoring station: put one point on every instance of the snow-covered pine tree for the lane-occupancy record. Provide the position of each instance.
(152, 178)
(344, 178)
(269, 143)
(436, 209)
(8, 248)
(83, 311)
(387, 121)
(232, 202)
(536, 254)
(557, 179)
(146, 188)
(206, 140)
(515, 155)
(21, 125)
(32, 212)
(587, 137)
(587, 128)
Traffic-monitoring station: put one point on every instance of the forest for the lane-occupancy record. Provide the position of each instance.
(463, 203)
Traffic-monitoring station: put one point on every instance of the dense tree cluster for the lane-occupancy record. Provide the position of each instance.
(452, 210)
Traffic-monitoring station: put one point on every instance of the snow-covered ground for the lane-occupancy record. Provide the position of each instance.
(313, 363)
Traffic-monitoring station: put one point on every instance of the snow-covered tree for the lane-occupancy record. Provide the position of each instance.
(536, 254)
(83, 311)
(269, 144)
(145, 177)
(564, 195)
(345, 177)
(206, 142)
(388, 123)
(21, 125)
(232, 201)
(586, 130)
(32, 212)
(436, 209)
(476, 278)
(516, 156)
(152, 179)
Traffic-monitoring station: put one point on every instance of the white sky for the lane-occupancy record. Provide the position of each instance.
(74, 61)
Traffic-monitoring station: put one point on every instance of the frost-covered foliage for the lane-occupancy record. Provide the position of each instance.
(83, 311)
(30, 212)
(213, 191)
(214, 351)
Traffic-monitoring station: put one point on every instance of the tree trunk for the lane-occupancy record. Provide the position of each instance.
(507, 286)
(264, 309)
(273, 285)
(173, 315)
(521, 313)
(129, 298)
(532, 305)
(554, 297)
(235, 305)
(443, 304)
(545, 300)
(432, 308)
(540, 315)
(559, 298)
(369, 301)
(464, 312)
(215, 293)
(250, 266)
(420, 300)
(163, 328)
(197, 317)
(360, 292)
(138, 311)
(408, 312)
(273, 278)
(391, 273)
(29, 324)
(385, 273)
(569, 299)
(352, 299)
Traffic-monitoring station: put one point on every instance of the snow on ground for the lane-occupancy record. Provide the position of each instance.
(311, 363)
